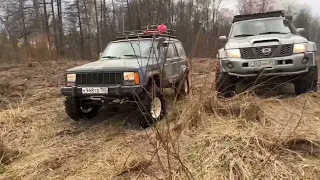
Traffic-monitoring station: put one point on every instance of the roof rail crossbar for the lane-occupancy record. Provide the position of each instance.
(146, 32)
(119, 37)
(258, 15)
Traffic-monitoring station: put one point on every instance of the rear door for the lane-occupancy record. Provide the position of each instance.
(182, 60)
(171, 61)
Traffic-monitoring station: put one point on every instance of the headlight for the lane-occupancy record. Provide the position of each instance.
(230, 53)
(233, 53)
(71, 77)
(128, 76)
(300, 48)
(133, 77)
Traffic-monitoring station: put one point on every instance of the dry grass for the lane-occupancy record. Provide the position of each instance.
(246, 137)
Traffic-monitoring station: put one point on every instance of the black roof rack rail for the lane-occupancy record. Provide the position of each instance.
(146, 32)
(244, 17)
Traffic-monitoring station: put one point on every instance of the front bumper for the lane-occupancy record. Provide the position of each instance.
(284, 66)
(113, 91)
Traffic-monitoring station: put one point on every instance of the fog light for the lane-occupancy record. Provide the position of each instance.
(230, 65)
(304, 61)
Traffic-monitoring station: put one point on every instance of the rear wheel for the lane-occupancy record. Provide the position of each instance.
(152, 105)
(308, 81)
(225, 84)
(77, 112)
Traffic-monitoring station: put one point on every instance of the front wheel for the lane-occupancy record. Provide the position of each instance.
(76, 111)
(152, 105)
(308, 81)
(225, 84)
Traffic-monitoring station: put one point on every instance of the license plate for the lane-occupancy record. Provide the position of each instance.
(262, 63)
(94, 90)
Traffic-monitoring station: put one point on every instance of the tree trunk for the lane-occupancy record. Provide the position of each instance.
(60, 27)
(102, 24)
(113, 14)
(47, 30)
(98, 28)
(37, 12)
(24, 33)
(89, 27)
(55, 28)
(129, 14)
(81, 32)
(138, 14)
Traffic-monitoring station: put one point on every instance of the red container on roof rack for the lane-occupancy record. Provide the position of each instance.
(161, 29)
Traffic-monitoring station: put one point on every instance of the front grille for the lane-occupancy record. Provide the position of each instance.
(274, 51)
(99, 78)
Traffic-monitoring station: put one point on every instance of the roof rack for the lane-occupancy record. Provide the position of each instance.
(146, 32)
(244, 17)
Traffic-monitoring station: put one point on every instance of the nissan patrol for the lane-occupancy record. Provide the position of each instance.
(265, 46)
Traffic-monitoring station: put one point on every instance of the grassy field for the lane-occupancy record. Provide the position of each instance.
(246, 137)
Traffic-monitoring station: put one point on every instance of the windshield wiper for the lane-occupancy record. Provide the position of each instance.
(110, 57)
(133, 55)
(243, 35)
(273, 32)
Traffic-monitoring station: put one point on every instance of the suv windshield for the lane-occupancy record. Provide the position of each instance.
(129, 49)
(259, 27)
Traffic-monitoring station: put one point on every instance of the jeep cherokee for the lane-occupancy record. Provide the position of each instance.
(130, 71)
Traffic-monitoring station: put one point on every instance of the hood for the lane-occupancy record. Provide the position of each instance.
(113, 65)
(264, 40)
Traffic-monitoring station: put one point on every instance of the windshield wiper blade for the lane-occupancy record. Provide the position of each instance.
(273, 32)
(133, 55)
(243, 35)
(111, 57)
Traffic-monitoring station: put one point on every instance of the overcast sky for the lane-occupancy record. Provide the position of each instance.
(313, 4)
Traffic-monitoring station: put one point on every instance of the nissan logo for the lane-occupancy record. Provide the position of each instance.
(266, 51)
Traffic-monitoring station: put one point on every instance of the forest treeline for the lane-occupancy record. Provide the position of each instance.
(80, 29)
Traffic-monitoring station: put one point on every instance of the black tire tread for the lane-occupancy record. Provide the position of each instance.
(224, 83)
(144, 106)
(72, 108)
(308, 82)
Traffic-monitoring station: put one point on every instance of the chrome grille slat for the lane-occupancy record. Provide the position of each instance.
(99, 78)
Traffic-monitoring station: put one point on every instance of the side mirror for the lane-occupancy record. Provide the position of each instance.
(300, 30)
(289, 17)
(223, 39)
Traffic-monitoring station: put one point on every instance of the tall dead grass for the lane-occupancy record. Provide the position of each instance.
(204, 137)
(239, 138)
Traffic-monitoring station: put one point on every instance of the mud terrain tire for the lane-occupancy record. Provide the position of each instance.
(308, 81)
(74, 111)
(224, 83)
(151, 94)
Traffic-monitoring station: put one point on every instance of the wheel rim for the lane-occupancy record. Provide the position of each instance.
(156, 107)
(186, 88)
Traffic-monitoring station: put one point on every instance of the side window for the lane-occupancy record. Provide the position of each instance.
(171, 52)
(180, 49)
